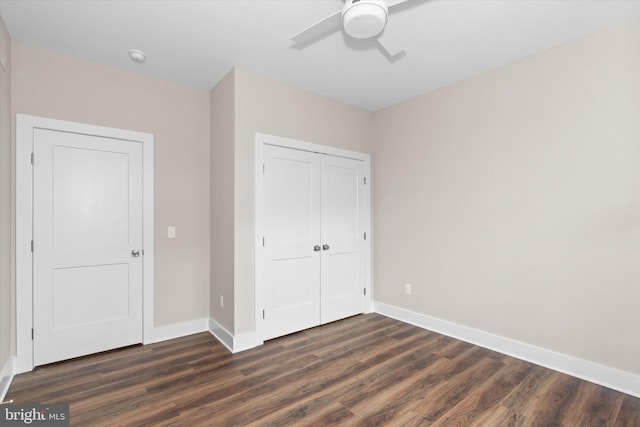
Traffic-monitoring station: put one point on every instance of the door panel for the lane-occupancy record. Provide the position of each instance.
(90, 294)
(91, 196)
(292, 228)
(87, 219)
(343, 216)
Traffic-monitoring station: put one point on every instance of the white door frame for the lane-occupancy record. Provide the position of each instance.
(25, 126)
(260, 141)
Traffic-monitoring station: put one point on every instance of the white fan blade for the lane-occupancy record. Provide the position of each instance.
(392, 3)
(327, 24)
(390, 44)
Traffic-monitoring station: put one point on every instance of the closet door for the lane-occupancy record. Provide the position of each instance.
(343, 241)
(292, 234)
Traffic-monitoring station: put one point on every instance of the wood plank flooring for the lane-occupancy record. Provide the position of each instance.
(367, 370)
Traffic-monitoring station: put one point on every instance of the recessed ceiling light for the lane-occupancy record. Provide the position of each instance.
(137, 55)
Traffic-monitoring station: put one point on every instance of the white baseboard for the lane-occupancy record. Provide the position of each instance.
(221, 334)
(233, 343)
(177, 330)
(246, 341)
(625, 382)
(6, 377)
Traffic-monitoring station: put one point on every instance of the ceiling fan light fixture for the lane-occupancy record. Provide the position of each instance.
(365, 18)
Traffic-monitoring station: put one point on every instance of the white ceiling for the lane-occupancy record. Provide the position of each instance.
(197, 42)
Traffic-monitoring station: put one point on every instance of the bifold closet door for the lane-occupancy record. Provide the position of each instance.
(313, 217)
(342, 233)
(292, 231)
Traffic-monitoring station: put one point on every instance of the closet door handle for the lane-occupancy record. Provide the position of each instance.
(316, 248)
(325, 247)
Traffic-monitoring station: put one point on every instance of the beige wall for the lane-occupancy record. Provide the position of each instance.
(267, 106)
(511, 201)
(222, 200)
(58, 86)
(6, 288)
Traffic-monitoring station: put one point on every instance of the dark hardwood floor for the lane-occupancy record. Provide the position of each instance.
(366, 370)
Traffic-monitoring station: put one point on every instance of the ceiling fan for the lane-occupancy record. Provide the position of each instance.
(360, 19)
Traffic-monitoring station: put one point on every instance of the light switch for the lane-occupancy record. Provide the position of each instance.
(171, 232)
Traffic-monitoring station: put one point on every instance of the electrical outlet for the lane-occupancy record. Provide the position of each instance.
(407, 288)
(171, 232)
(221, 302)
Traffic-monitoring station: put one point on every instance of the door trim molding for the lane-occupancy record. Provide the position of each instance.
(261, 140)
(25, 126)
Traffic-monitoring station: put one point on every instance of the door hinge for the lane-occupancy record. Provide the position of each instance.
(263, 169)
(263, 242)
(365, 235)
(263, 313)
(32, 158)
(31, 333)
(142, 251)
(32, 246)
(365, 180)
(365, 291)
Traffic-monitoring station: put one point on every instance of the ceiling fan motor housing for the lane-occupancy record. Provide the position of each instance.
(363, 19)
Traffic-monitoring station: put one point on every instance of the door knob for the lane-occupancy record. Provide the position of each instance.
(325, 247)
(135, 253)
(316, 248)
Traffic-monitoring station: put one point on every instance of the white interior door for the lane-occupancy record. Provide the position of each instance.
(292, 230)
(87, 220)
(342, 224)
(314, 218)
